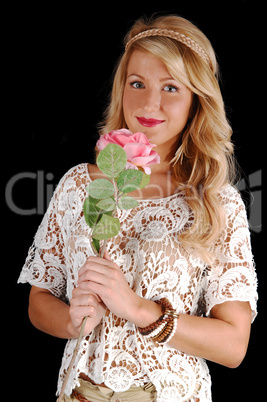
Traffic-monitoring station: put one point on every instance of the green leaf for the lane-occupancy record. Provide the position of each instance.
(112, 160)
(108, 204)
(90, 211)
(145, 181)
(129, 180)
(106, 228)
(100, 189)
(96, 245)
(127, 203)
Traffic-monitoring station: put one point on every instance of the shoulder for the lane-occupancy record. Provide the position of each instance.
(235, 209)
(72, 185)
(230, 198)
(75, 172)
(76, 177)
(229, 192)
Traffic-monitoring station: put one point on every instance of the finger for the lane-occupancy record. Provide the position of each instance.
(94, 288)
(106, 255)
(97, 297)
(101, 276)
(89, 297)
(85, 300)
(92, 262)
(90, 311)
(98, 272)
(79, 290)
(97, 260)
(78, 313)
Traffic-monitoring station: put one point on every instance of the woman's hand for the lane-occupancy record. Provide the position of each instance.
(103, 277)
(85, 304)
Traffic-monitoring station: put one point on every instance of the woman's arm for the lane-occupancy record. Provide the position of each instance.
(222, 338)
(51, 315)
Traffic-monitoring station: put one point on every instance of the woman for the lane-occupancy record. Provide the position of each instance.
(177, 285)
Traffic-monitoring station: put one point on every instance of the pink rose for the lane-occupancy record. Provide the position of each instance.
(137, 147)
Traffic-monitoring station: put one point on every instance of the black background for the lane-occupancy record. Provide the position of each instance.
(57, 62)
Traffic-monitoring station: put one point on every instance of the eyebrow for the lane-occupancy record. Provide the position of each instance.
(136, 75)
(143, 78)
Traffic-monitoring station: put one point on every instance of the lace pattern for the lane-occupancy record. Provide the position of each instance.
(155, 265)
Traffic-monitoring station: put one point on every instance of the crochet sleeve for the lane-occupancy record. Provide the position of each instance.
(232, 276)
(45, 265)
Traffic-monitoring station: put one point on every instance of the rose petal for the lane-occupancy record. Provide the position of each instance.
(144, 160)
(141, 138)
(122, 131)
(130, 165)
(137, 147)
(119, 137)
(134, 149)
(102, 142)
(147, 169)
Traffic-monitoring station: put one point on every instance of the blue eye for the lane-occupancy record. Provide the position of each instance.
(170, 88)
(137, 85)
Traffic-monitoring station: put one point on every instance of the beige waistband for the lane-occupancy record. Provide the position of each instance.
(99, 393)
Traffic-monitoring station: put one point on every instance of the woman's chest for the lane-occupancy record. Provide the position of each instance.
(148, 251)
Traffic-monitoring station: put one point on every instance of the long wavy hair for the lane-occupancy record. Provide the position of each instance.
(204, 162)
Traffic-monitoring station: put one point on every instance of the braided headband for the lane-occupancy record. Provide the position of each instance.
(173, 35)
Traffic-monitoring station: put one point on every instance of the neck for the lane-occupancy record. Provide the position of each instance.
(165, 165)
(161, 168)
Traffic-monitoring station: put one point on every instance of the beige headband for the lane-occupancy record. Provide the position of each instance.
(173, 35)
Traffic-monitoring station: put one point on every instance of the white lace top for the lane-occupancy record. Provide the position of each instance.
(156, 266)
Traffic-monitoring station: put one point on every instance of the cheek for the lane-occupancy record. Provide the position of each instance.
(177, 116)
(125, 104)
(129, 103)
(178, 112)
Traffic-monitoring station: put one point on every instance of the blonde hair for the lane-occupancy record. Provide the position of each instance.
(204, 161)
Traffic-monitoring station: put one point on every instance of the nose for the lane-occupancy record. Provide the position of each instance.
(151, 100)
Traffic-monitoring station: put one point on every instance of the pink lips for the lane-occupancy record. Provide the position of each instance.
(149, 122)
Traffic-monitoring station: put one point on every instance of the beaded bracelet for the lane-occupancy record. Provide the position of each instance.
(162, 330)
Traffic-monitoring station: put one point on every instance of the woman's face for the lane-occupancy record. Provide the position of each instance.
(153, 102)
